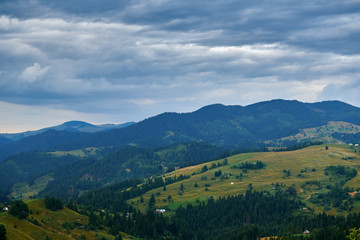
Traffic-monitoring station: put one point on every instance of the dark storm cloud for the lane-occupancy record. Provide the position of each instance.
(127, 60)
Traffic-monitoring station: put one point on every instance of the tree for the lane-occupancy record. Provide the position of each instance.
(354, 234)
(118, 237)
(53, 203)
(19, 209)
(182, 187)
(218, 173)
(164, 188)
(204, 168)
(2, 232)
(152, 200)
(225, 162)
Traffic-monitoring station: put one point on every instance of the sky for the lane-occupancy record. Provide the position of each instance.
(116, 61)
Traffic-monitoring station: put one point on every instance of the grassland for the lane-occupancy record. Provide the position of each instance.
(303, 165)
(44, 223)
(25, 191)
(90, 151)
(322, 133)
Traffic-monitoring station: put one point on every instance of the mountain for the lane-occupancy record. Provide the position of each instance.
(71, 126)
(65, 174)
(40, 142)
(227, 126)
(4, 141)
(47, 138)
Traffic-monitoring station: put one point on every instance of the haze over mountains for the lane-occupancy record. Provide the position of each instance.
(71, 126)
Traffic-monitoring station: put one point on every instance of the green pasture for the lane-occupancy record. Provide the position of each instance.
(304, 165)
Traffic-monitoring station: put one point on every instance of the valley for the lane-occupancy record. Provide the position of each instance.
(275, 168)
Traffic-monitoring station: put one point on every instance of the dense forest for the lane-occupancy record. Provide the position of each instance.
(246, 216)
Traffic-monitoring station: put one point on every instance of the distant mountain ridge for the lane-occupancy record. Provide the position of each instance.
(227, 126)
(233, 127)
(48, 138)
(71, 126)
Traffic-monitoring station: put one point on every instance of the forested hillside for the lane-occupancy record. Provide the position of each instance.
(228, 126)
(76, 171)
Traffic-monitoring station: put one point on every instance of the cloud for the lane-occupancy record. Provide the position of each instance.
(33, 73)
(135, 59)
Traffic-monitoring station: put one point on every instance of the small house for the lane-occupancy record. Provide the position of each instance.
(160, 210)
(306, 232)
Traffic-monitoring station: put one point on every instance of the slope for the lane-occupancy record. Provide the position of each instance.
(230, 126)
(304, 171)
(45, 224)
(40, 142)
(71, 126)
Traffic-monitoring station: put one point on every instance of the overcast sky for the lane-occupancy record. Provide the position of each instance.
(114, 61)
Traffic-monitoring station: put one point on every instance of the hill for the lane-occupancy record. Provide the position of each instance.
(4, 141)
(66, 173)
(41, 142)
(71, 126)
(306, 170)
(228, 126)
(46, 224)
(245, 196)
(333, 132)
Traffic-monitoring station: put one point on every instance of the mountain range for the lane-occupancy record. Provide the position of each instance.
(72, 158)
(71, 126)
(233, 127)
(227, 126)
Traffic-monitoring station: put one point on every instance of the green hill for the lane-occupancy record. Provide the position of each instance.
(305, 170)
(65, 174)
(333, 132)
(46, 224)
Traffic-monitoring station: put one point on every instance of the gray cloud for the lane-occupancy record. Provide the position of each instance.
(128, 60)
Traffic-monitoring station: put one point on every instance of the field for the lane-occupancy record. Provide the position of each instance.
(44, 223)
(282, 170)
(24, 191)
(322, 133)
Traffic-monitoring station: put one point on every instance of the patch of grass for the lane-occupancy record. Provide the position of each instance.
(50, 223)
(24, 191)
(261, 179)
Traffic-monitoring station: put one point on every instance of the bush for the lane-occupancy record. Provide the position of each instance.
(53, 203)
(19, 209)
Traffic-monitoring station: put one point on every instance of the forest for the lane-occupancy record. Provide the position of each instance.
(245, 216)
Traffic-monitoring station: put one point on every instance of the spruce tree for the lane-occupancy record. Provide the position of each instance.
(2, 232)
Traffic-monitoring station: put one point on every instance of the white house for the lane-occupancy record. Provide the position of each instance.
(160, 210)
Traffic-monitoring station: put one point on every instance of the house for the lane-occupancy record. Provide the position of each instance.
(5, 209)
(160, 210)
(356, 145)
(306, 232)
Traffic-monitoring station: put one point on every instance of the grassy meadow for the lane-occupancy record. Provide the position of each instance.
(282, 170)
(43, 223)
